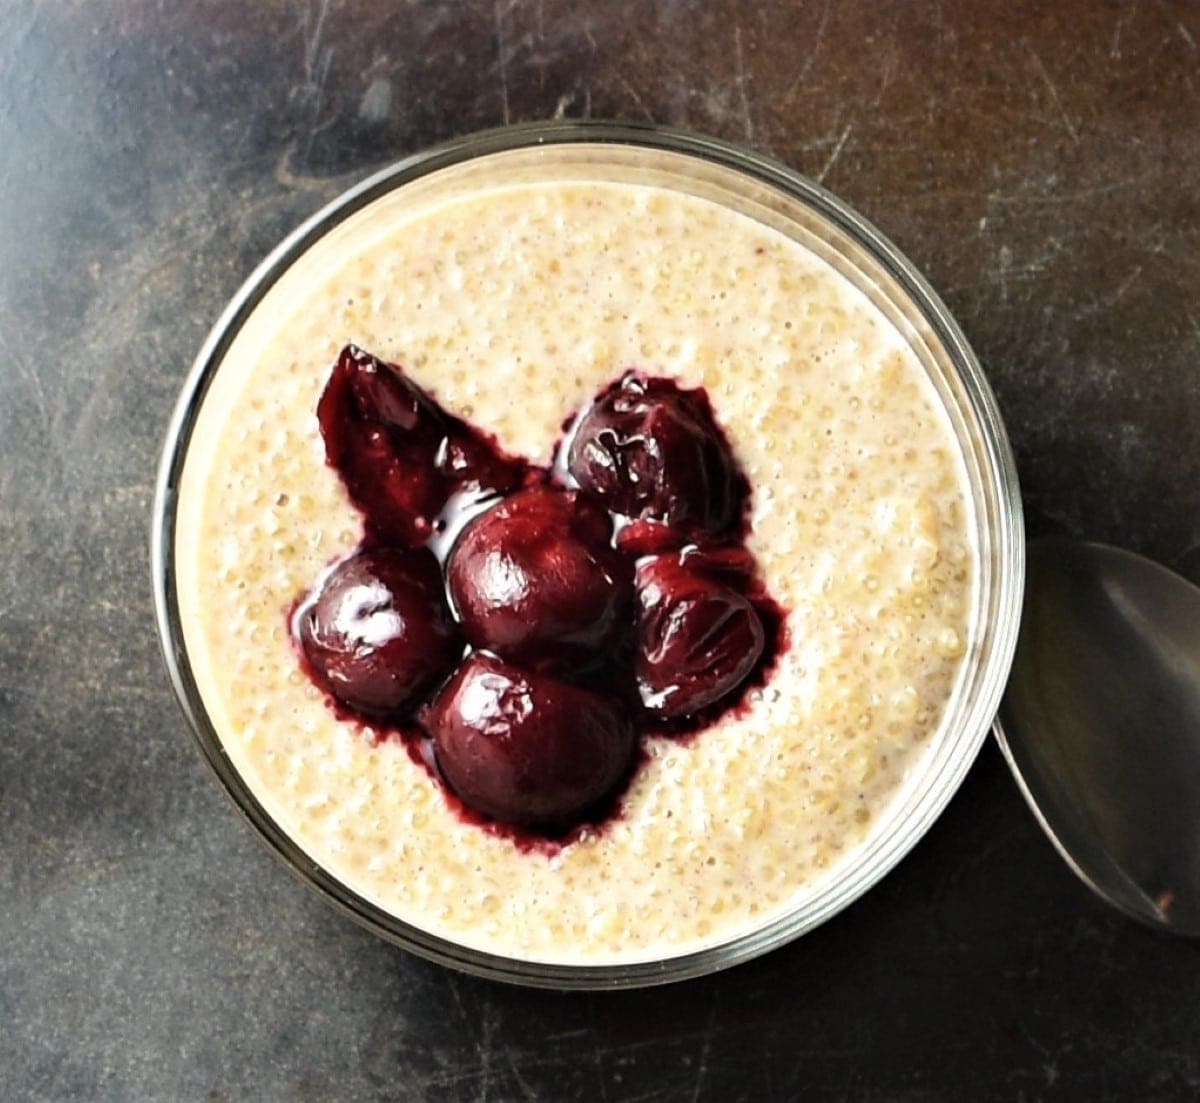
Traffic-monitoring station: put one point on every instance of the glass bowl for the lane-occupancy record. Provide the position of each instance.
(772, 194)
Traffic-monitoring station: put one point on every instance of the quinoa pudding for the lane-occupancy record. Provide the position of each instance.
(512, 305)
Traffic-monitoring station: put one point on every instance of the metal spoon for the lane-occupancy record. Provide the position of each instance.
(1101, 724)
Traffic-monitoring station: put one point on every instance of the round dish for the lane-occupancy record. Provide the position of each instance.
(774, 197)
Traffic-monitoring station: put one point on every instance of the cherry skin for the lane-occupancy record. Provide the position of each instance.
(697, 638)
(651, 450)
(524, 748)
(399, 455)
(535, 580)
(378, 633)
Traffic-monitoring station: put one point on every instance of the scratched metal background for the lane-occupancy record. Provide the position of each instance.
(1038, 161)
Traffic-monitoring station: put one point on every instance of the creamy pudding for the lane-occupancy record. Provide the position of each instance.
(512, 304)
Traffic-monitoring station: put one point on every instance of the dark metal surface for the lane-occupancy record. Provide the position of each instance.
(1038, 161)
(1101, 721)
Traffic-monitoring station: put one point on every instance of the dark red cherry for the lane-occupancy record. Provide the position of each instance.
(399, 455)
(638, 539)
(733, 563)
(649, 449)
(697, 638)
(524, 748)
(536, 580)
(377, 631)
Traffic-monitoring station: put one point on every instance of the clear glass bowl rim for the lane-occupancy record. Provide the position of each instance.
(1000, 466)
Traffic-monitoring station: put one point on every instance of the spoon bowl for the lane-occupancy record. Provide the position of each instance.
(1101, 724)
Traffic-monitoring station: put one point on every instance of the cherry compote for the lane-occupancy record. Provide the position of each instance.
(400, 455)
(697, 637)
(377, 631)
(530, 629)
(536, 580)
(524, 747)
(651, 450)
